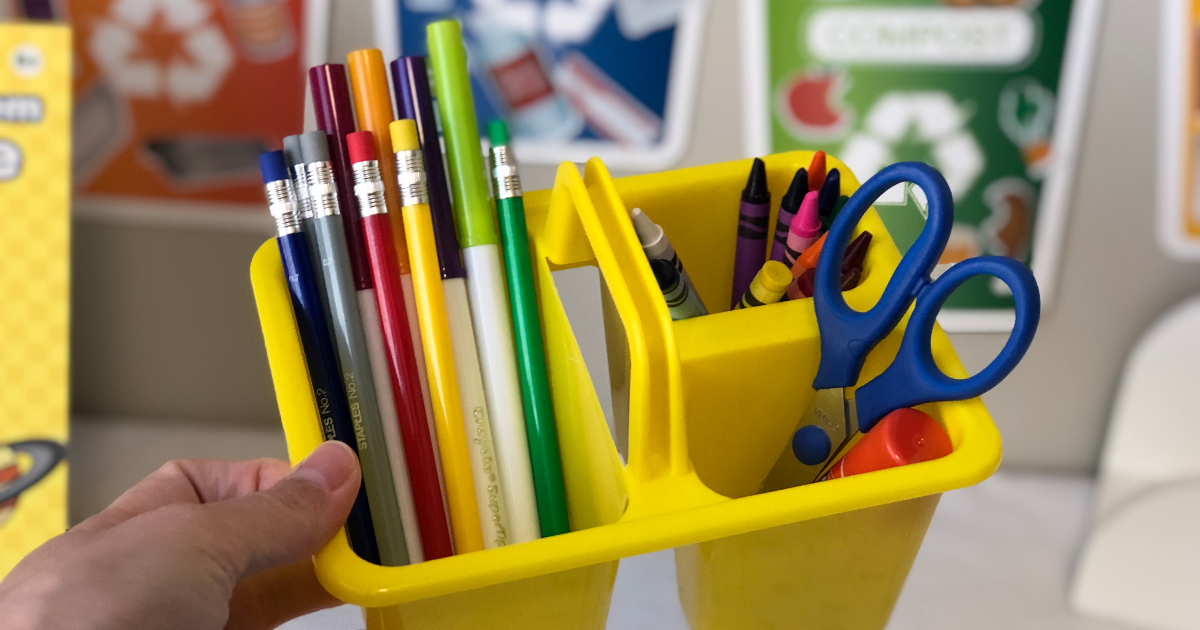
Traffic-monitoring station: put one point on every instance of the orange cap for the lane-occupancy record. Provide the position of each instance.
(905, 436)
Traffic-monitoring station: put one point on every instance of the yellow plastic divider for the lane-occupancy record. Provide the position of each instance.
(712, 402)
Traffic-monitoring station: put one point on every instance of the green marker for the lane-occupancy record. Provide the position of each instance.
(522, 300)
(485, 279)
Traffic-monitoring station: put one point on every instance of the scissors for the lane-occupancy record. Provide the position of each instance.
(847, 335)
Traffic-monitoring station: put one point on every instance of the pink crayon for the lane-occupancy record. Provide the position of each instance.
(805, 229)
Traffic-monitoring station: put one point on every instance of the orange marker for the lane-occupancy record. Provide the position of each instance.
(905, 436)
(816, 171)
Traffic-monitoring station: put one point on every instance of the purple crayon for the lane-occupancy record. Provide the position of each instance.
(754, 217)
(787, 211)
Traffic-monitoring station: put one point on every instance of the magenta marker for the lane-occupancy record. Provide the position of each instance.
(787, 212)
(754, 216)
(805, 229)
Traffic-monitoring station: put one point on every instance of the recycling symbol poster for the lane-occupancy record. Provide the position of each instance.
(989, 92)
(175, 100)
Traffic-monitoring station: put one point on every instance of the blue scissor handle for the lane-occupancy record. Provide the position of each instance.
(913, 377)
(847, 335)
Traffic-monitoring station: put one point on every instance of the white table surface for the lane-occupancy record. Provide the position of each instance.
(997, 556)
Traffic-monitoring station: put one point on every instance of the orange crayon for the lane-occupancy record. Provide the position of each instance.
(816, 171)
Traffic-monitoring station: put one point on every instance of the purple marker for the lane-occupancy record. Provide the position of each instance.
(414, 101)
(787, 211)
(754, 216)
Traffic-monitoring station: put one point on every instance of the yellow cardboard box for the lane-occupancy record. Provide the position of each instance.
(35, 179)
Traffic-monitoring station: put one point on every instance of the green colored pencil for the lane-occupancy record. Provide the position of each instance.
(527, 325)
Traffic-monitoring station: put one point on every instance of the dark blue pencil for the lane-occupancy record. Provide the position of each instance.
(319, 353)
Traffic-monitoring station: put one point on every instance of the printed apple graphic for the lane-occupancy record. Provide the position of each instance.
(810, 104)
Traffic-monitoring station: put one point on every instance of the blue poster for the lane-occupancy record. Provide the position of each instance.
(573, 79)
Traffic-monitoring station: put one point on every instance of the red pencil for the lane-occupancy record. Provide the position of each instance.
(410, 404)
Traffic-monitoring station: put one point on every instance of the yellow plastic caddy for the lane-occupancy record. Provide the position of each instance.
(712, 403)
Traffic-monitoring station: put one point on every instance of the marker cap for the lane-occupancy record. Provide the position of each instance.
(414, 100)
(473, 210)
(905, 436)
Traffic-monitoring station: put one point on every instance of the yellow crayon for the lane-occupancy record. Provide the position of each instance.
(435, 331)
(768, 285)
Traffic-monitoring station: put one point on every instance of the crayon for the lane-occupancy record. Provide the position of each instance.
(851, 278)
(754, 215)
(837, 208)
(856, 252)
(804, 231)
(803, 286)
(768, 285)
(816, 171)
(682, 303)
(787, 211)
(827, 198)
(656, 245)
(905, 436)
(808, 258)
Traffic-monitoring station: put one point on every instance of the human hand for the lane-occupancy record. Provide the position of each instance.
(199, 544)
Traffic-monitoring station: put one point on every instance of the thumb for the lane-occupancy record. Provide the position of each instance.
(294, 518)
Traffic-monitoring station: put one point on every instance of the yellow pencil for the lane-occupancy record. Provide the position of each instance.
(435, 332)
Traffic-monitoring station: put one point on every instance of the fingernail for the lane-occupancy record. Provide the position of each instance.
(329, 466)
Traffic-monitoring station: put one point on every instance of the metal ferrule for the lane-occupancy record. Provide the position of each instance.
(504, 172)
(410, 175)
(322, 191)
(282, 202)
(304, 210)
(368, 188)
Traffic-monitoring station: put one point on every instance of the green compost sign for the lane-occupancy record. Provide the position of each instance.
(969, 87)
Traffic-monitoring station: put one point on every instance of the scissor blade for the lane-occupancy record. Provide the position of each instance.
(828, 412)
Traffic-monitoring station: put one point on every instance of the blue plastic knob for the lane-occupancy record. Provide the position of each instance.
(811, 445)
